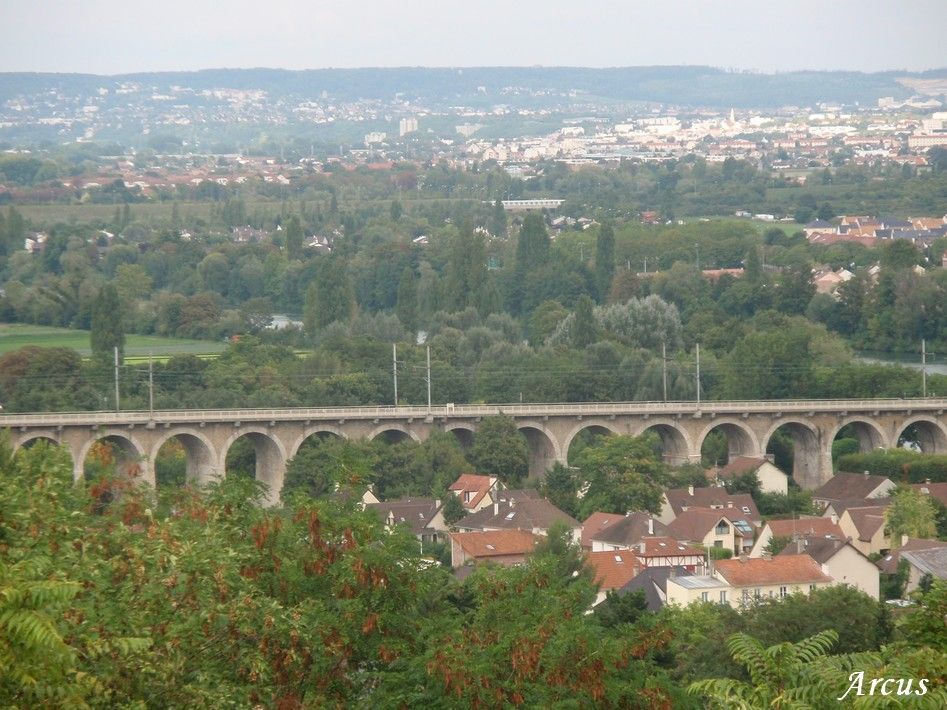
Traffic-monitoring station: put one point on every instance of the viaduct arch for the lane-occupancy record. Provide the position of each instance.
(550, 429)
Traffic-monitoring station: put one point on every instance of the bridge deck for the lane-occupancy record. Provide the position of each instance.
(460, 411)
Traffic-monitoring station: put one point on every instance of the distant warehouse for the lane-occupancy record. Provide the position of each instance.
(529, 205)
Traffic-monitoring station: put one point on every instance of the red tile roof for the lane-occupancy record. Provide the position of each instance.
(613, 569)
(740, 465)
(595, 523)
(693, 525)
(495, 543)
(808, 527)
(474, 483)
(782, 569)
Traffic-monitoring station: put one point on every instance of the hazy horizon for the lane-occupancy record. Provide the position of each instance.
(109, 37)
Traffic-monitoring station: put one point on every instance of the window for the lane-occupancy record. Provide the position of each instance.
(746, 596)
(782, 591)
(811, 588)
(718, 543)
(722, 528)
(723, 596)
(757, 593)
(705, 596)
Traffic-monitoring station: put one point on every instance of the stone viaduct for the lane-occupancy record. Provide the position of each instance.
(550, 429)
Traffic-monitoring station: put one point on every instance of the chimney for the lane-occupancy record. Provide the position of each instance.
(496, 508)
(641, 547)
(904, 540)
(867, 474)
(650, 525)
(690, 490)
(927, 481)
(437, 503)
(800, 546)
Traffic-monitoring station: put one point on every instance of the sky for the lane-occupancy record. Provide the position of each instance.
(121, 36)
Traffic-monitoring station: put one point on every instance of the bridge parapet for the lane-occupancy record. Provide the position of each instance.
(206, 434)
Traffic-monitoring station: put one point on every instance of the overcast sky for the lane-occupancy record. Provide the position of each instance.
(118, 36)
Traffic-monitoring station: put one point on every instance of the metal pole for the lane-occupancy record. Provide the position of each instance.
(698, 374)
(394, 368)
(429, 379)
(923, 367)
(151, 387)
(664, 371)
(117, 404)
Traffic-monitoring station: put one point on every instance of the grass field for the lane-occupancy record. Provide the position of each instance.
(137, 347)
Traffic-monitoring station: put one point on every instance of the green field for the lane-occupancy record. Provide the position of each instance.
(17, 335)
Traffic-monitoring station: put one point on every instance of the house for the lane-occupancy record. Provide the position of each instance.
(709, 527)
(931, 564)
(772, 480)
(678, 500)
(818, 225)
(937, 491)
(612, 570)
(841, 561)
(346, 495)
(890, 562)
(423, 516)
(502, 547)
(795, 528)
(667, 552)
(865, 527)
(740, 581)
(653, 582)
(523, 510)
(595, 524)
(475, 491)
(848, 486)
(626, 532)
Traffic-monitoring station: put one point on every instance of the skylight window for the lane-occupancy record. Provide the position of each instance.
(490, 547)
(618, 558)
(509, 516)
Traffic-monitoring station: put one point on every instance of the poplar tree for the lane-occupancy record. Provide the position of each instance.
(108, 331)
(407, 308)
(604, 260)
(294, 238)
(584, 328)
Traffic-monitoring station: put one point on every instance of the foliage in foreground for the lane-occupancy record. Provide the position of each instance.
(113, 597)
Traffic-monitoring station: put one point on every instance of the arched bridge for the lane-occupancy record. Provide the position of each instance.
(550, 429)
